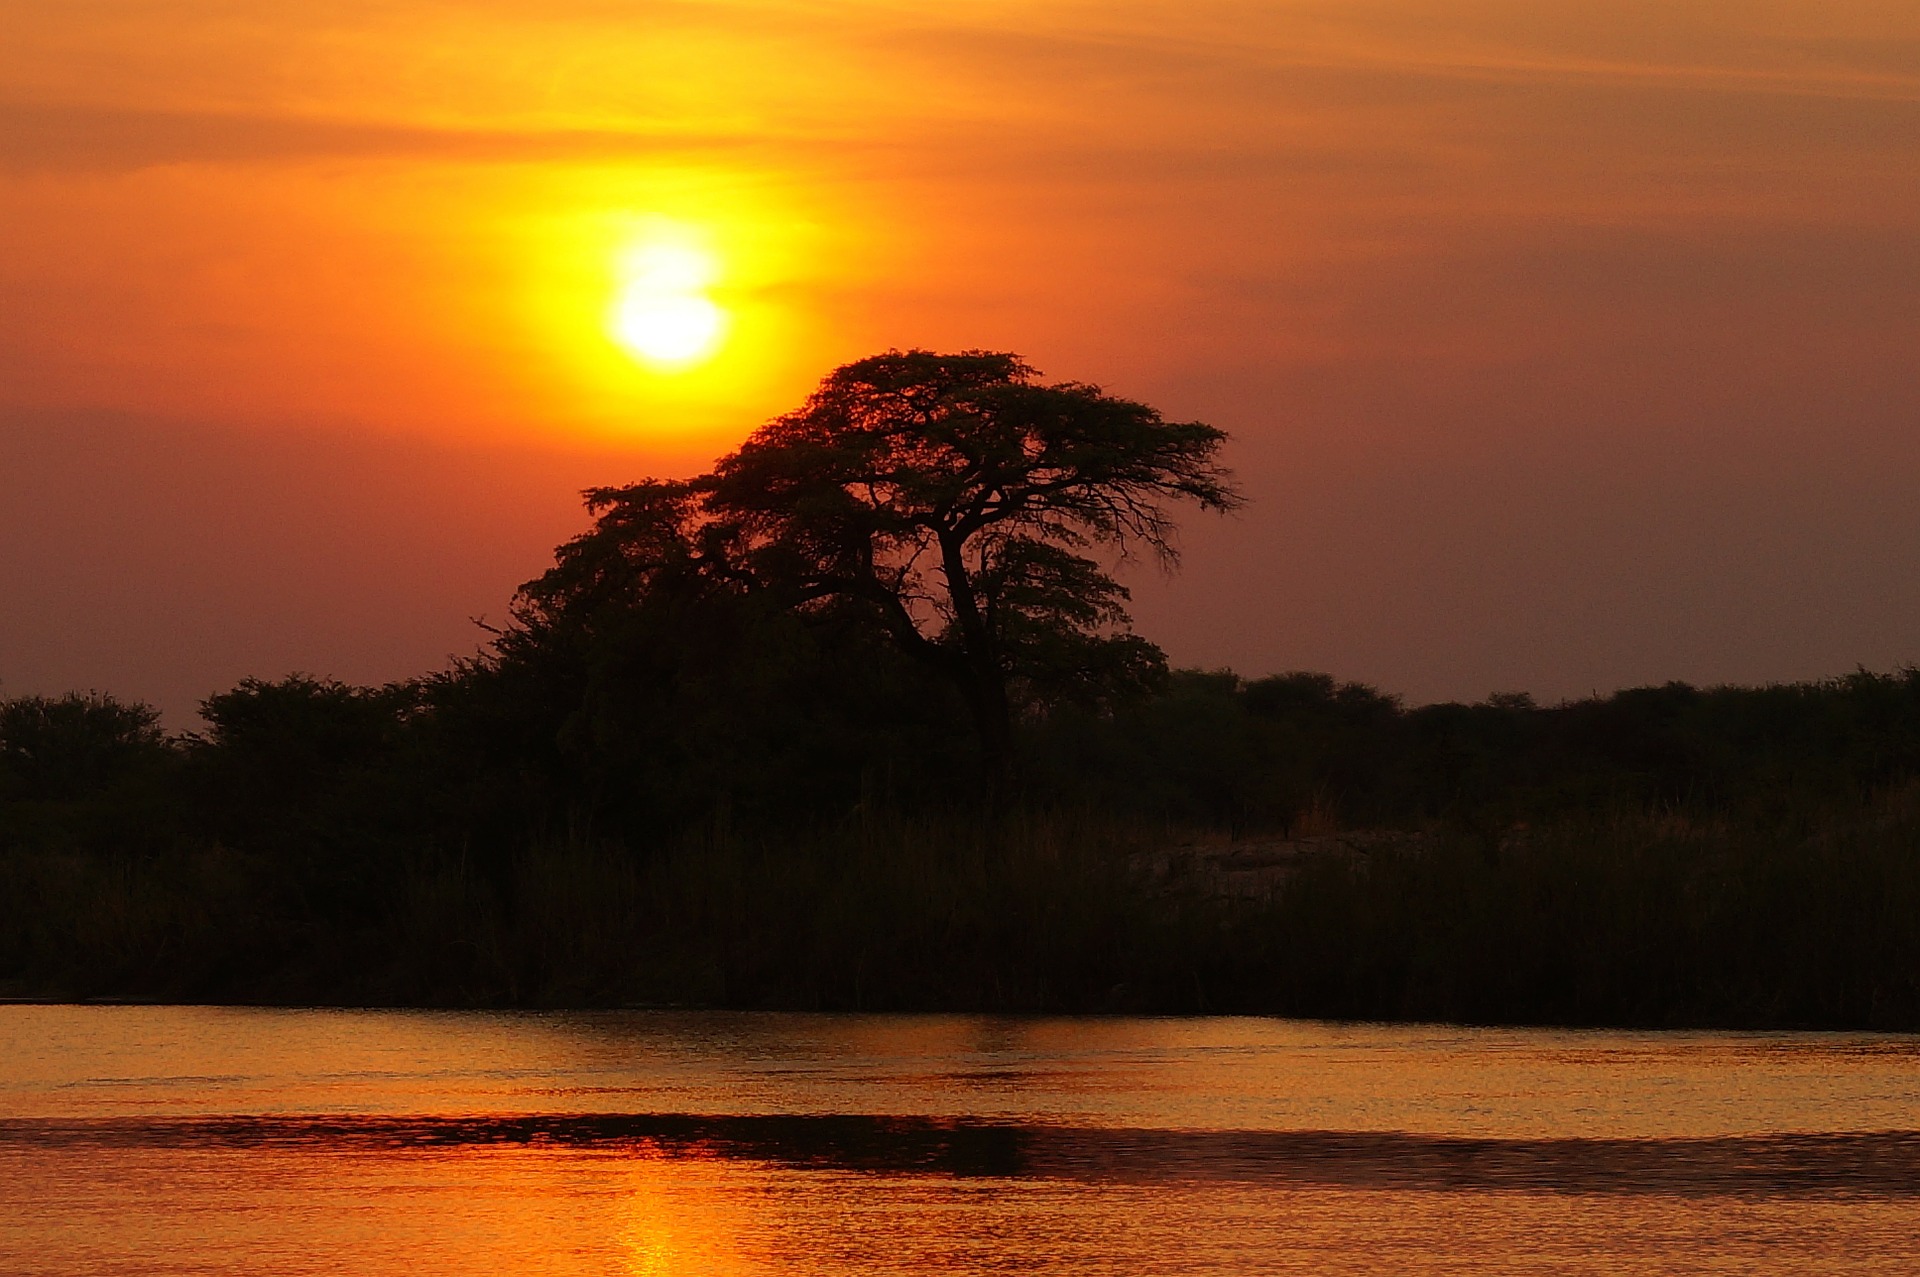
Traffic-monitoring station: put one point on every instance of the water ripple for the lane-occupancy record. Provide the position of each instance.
(1880, 1164)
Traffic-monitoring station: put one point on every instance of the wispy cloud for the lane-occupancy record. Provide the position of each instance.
(44, 138)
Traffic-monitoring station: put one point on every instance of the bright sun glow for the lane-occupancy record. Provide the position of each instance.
(672, 324)
(661, 311)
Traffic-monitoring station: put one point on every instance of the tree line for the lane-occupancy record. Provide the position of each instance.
(858, 718)
(484, 759)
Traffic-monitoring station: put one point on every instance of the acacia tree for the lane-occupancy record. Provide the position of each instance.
(951, 499)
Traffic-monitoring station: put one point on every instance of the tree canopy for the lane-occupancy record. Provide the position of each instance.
(949, 502)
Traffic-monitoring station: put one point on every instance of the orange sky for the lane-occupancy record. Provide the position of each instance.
(1563, 346)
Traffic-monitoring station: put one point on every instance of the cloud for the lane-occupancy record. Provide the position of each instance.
(38, 138)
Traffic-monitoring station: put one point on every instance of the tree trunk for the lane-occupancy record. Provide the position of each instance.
(984, 685)
(986, 698)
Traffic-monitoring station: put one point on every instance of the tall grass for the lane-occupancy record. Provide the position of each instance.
(884, 914)
(1642, 917)
(1028, 914)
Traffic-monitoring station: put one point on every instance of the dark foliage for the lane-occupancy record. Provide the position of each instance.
(938, 503)
(67, 748)
(1217, 750)
(742, 830)
(731, 750)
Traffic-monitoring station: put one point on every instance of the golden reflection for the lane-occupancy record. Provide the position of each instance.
(835, 1198)
(518, 1212)
(682, 1216)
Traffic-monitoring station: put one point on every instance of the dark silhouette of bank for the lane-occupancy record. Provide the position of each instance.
(857, 720)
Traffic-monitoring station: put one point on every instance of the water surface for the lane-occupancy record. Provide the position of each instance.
(201, 1140)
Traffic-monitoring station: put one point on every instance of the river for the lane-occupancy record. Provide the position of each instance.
(190, 1140)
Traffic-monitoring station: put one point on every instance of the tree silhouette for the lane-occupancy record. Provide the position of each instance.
(67, 746)
(948, 500)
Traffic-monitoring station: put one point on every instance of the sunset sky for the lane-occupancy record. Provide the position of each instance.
(1563, 346)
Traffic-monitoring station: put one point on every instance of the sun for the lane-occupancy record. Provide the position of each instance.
(664, 315)
(661, 312)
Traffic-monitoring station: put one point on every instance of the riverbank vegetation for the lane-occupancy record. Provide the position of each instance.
(1675, 856)
(853, 722)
